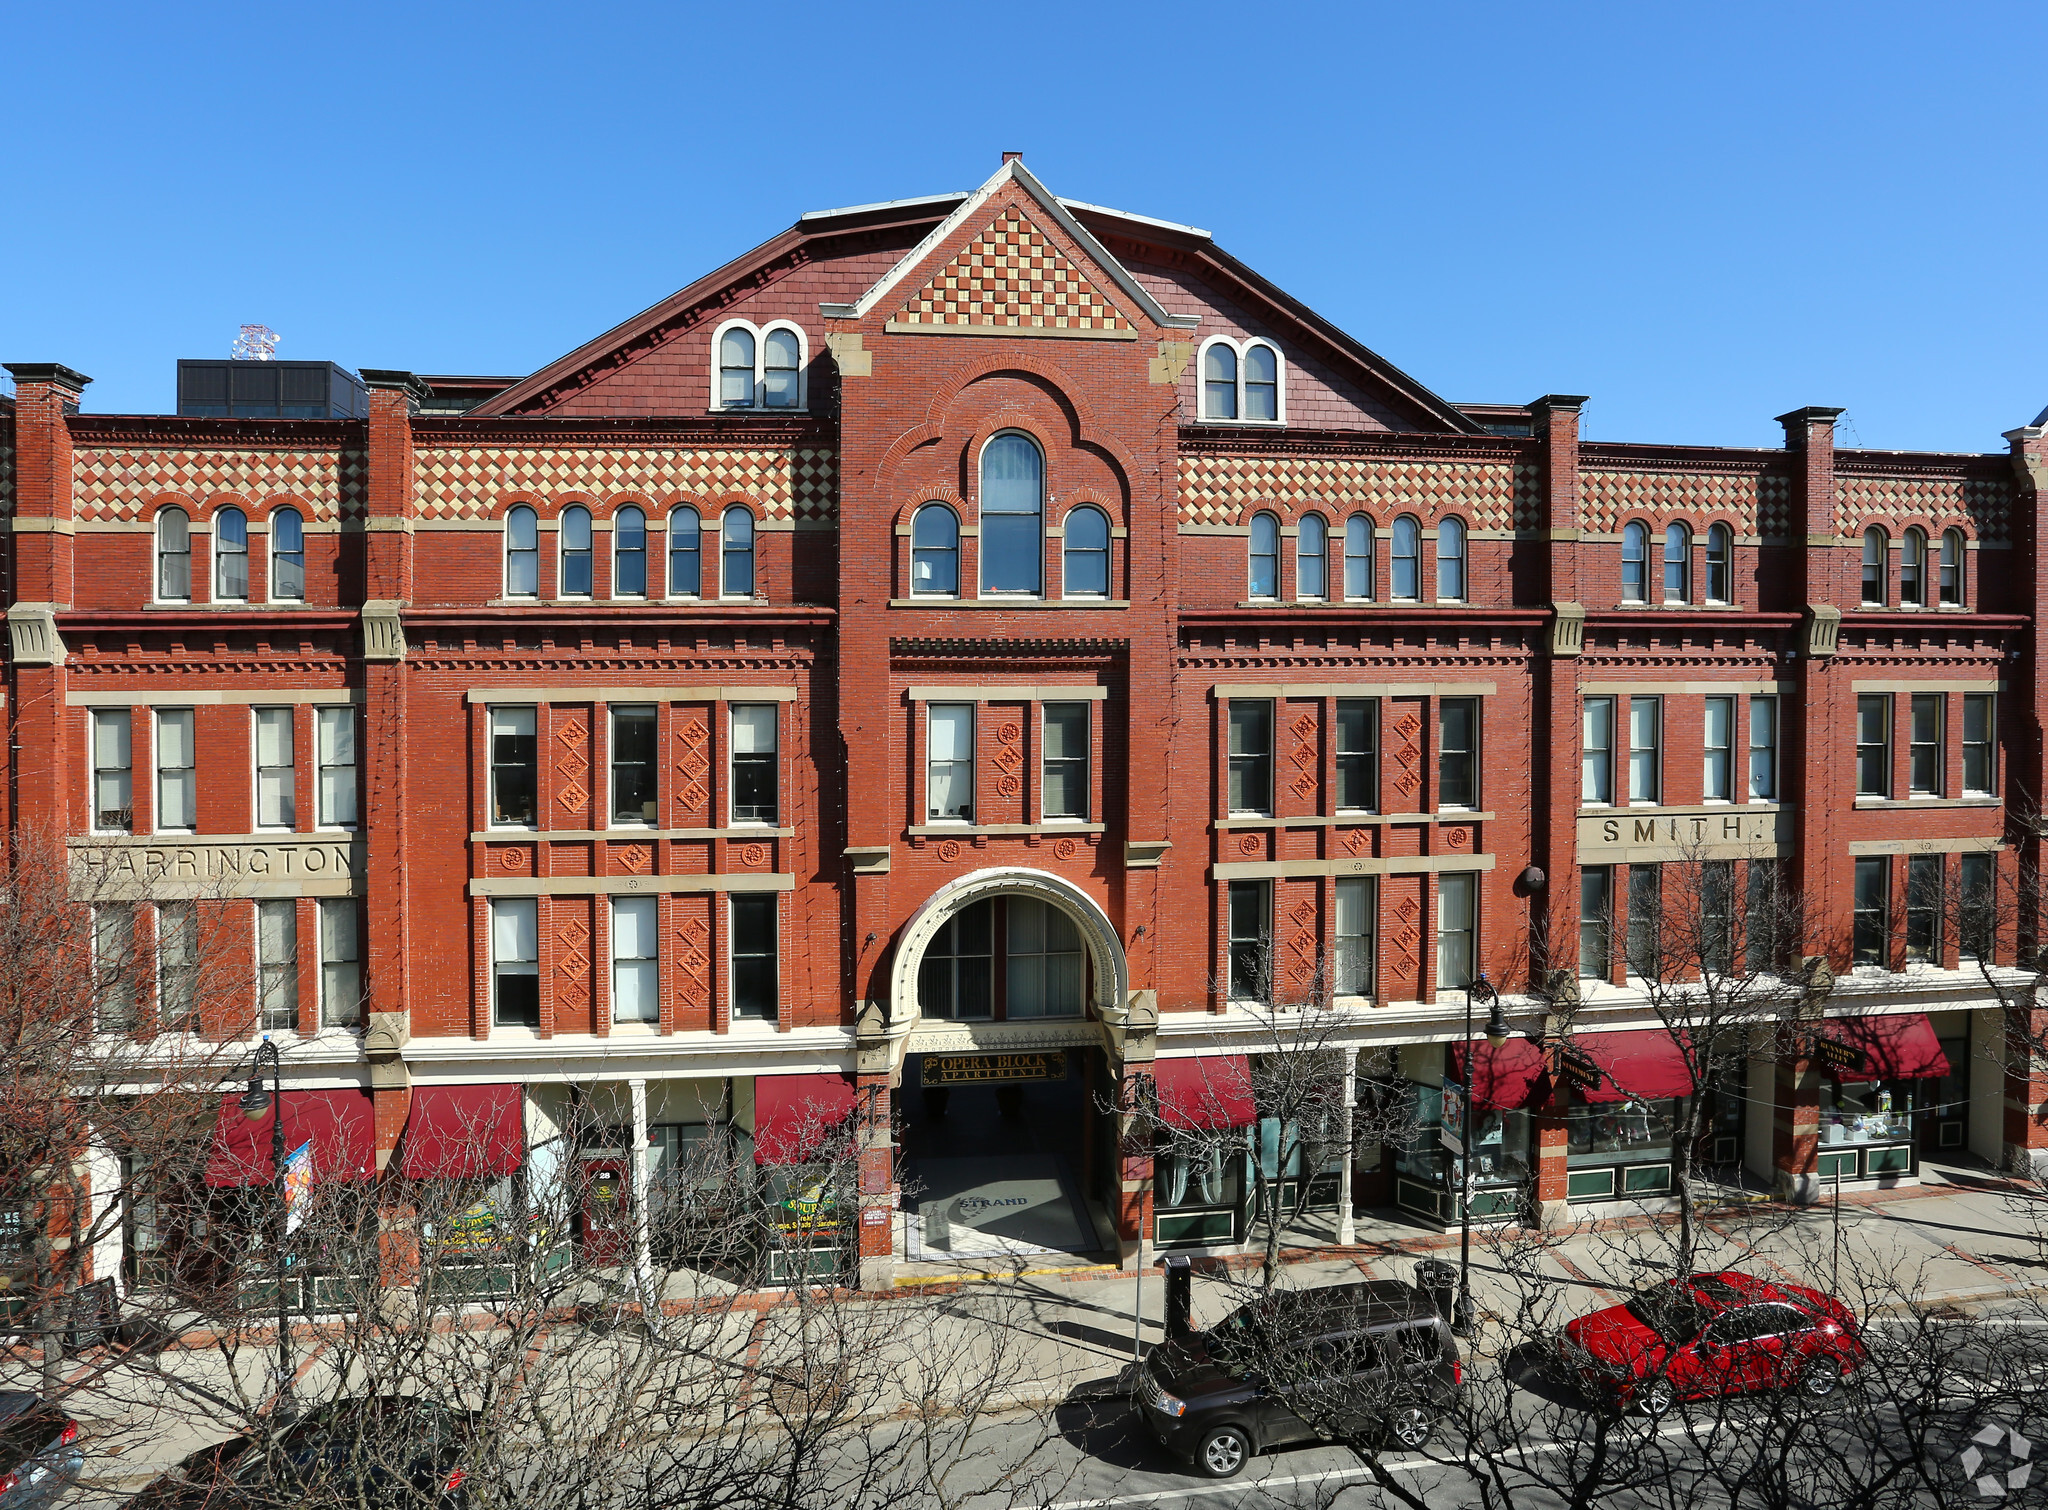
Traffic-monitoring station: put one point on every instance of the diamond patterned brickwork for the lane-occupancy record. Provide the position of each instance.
(1762, 505)
(1985, 502)
(1011, 276)
(1214, 489)
(6, 480)
(114, 482)
(791, 483)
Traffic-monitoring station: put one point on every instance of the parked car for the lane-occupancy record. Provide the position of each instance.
(39, 1452)
(392, 1452)
(1372, 1358)
(1712, 1334)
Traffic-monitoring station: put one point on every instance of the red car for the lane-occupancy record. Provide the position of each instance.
(1712, 1334)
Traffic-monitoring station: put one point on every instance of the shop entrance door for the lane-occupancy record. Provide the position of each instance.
(607, 1212)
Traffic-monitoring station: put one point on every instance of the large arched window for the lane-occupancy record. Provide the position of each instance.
(231, 555)
(736, 553)
(685, 554)
(1311, 557)
(1263, 580)
(1219, 381)
(1677, 564)
(1635, 562)
(935, 551)
(174, 556)
(1450, 560)
(781, 363)
(1951, 568)
(1012, 515)
(1876, 547)
(736, 368)
(1261, 382)
(1720, 564)
(575, 547)
(522, 554)
(287, 557)
(1085, 569)
(1913, 570)
(1358, 557)
(629, 553)
(1407, 559)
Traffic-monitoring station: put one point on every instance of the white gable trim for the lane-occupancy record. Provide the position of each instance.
(919, 254)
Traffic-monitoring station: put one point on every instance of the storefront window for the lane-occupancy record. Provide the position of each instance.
(1865, 1111)
(1621, 1131)
(1500, 1144)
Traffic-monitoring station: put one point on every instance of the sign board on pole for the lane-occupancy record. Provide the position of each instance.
(1579, 1070)
(1838, 1057)
(1453, 1131)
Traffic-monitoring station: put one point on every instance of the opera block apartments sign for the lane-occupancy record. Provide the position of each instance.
(1718, 831)
(994, 1069)
(286, 865)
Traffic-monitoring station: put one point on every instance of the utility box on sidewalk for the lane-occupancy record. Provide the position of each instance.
(1180, 1296)
(1439, 1281)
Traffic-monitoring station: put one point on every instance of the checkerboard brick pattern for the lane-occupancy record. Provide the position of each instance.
(6, 480)
(115, 482)
(1762, 505)
(1985, 502)
(1012, 276)
(790, 483)
(1215, 489)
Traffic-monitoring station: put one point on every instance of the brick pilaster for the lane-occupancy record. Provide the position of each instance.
(1554, 907)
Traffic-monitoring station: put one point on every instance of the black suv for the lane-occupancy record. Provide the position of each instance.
(1372, 1358)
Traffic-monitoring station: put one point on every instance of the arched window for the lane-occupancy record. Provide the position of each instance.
(287, 556)
(174, 556)
(1264, 580)
(1219, 381)
(736, 553)
(1720, 564)
(231, 555)
(1952, 568)
(1678, 564)
(1913, 570)
(1311, 553)
(1261, 382)
(736, 368)
(575, 544)
(781, 361)
(1086, 565)
(935, 551)
(629, 553)
(1450, 560)
(1635, 561)
(1407, 564)
(685, 554)
(522, 554)
(1012, 515)
(1876, 547)
(1358, 557)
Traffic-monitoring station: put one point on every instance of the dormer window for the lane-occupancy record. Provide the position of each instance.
(1243, 382)
(758, 369)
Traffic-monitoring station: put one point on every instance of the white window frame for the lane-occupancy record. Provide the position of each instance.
(753, 554)
(1641, 531)
(111, 717)
(562, 551)
(323, 909)
(1725, 537)
(289, 965)
(219, 558)
(1307, 524)
(650, 962)
(772, 905)
(157, 769)
(1067, 589)
(1463, 533)
(156, 561)
(1655, 749)
(668, 552)
(1448, 883)
(732, 760)
(323, 718)
(1370, 556)
(647, 533)
(973, 741)
(613, 713)
(505, 555)
(1989, 744)
(290, 767)
(1768, 705)
(1394, 558)
(532, 712)
(1239, 347)
(188, 912)
(935, 508)
(1727, 751)
(760, 334)
(1364, 942)
(1086, 759)
(1962, 545)
(271, 553)
(1596, 761)
(1877, 541)
(514, 907)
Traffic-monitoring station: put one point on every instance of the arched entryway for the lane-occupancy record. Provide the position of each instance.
(1107, 978)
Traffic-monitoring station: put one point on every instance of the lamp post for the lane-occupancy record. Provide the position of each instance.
(255, 1101)
(1497, 1031)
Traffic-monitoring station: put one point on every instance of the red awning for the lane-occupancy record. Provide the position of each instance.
(795, 1114)
(1503, 1078)
(1207, 1093)
(1643, 1066)
(462, 1132)
(342, 1126)
(1897, 1047)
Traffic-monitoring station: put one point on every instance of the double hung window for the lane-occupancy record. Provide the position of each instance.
(1635, 556)
(1763, 749)
(1876, 561)
(736, 553)
(113, 771)
(1357, 905)
(276, 793)
(1457, 902)
(177, 784)
(1645, 921)
(177, 965)
(1251, 940)
(1923, 909)
(1677, 564)
(1596, 921)
(1951, 568)
(1923, 747)
(113, 965)
(685, 554)
(1980, 747)
(341, 970)
(513, 761)
(522, 553)
(1872, 899)
(574, 539)
(515, 962)
(277, 964)
(287, 556)
(1457, 753)
(1311, 557)
(1596, 754)
(629, 553)
(335, 751)
(1975, 912)
(1085, 571)
(1065, 763)
(1264, 577)
(1251, 757)
(633, 784)
(174, 556)
(1358, 564)
(754, 784)
(1012, 515)
(753, 955)
(635, 993)
(1913, 570)
(1450, 560)
(935, 552)
(949, 762)
(1717, 775)
(1873, 745)
(231, 556)
(1407, 559)
(1720, 565)
(1357, 755)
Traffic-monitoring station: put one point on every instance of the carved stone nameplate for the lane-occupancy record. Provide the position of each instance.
(1641, 836)
(284, 866)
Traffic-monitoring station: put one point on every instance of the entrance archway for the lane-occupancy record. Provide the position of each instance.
(1109, 975)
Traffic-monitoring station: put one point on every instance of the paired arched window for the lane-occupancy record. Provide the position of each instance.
(1635, 562)
(736, 552)
(1951, 568)
(1450, 560)
(522, 553)
(287, 556)
(1407, 559)
(759, 368)
(1012, 515)
(1913, 570)
(1264, 578)
(574, 538)
(629, 553)
(1358, 557)
(1085, 568)
(1242, 381)
(1720, 564)
(685, 554)
(935, 551)
(1677, 564)
(174, 556)
(231, 556)
(1876, 551)
(1311, 557)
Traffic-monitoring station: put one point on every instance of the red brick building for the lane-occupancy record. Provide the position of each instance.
(986, 625)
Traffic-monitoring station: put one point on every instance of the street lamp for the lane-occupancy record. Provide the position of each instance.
(255, 1102)
(1497, 1031)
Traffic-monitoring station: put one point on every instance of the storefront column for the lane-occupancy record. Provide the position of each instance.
(1987, 1085)
(1795, 1129)
(1133, 1206)
(636, 1172)
(1551, 1151)
(1347, 1224)
(877, 1258)
(2026, 1092)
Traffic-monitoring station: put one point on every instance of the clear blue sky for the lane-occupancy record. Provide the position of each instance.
(1699, 216)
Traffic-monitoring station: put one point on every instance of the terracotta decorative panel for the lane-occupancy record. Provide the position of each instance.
(114, 482)
(1215, 489)
(693, 767)
(572, 964)
(689, 1004)
(572, 768)
(797, 483)
(1403, 769)
(1012, 277)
